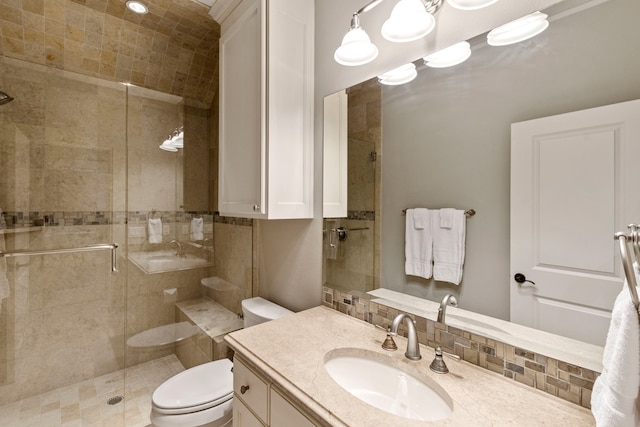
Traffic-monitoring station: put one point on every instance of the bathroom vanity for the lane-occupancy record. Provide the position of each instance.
(280, 376)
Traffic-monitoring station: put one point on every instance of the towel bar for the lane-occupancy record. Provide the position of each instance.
(468, 212)
(110, 246)
(627, 263)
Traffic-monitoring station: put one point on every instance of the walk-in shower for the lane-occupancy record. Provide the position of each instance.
(5, 98)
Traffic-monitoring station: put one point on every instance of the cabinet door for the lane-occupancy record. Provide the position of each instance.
(242, 416)
(284, 414)
(249, 388)
(290, 106)
(241, 163)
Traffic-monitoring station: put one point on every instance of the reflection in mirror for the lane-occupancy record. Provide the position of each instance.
(447, 142)
(349, 261)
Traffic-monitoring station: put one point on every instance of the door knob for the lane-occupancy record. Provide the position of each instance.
(521, 278)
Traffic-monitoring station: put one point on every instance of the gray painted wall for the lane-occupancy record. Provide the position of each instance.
(290, 252)
(446, 138)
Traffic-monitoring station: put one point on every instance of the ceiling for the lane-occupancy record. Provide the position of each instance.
(173, 48)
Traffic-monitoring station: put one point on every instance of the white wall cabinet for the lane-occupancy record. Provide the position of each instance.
(266, 110)
(257, 403)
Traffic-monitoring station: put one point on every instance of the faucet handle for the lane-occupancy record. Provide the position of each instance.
(438, 366)
(389, 343)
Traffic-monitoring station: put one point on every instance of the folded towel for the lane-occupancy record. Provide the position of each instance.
(448, 247)
(418, 243)
(446, 217)
(614, 400)
(155, 230)
(196, 229)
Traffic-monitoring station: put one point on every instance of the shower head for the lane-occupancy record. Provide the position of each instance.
(4, 98)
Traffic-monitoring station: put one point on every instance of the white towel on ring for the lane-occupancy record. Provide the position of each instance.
(155, 230)
(615, 397)
(197, 232)
(418, 243)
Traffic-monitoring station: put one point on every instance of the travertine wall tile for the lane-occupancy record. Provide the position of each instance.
(75, 35)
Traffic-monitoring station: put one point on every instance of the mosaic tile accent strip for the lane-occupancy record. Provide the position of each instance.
(59, 218)
(366, 215)
(558, 378)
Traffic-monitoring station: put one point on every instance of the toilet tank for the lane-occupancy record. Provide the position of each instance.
(259, 310)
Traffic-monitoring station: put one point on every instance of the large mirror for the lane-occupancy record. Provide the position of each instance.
(445, 142)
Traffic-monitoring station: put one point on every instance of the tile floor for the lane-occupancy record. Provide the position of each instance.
(85, 404)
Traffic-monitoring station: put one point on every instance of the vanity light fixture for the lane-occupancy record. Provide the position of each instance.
(398, 76)
(516, 31)
(470, 4)
(410, 20)
(449, 56)
(137, 7)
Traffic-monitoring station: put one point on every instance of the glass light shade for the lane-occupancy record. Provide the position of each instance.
(168, 146)
(356, 48)
(470, 4)
(409, 21)
(516, 31)
(450, 56)
(137, 7)
(399, 76)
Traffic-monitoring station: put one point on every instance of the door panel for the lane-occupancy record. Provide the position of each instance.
(573, 181)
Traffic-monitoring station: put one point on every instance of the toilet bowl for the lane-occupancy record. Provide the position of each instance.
(202, 396)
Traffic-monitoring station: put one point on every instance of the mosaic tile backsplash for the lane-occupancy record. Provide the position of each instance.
(558, 378)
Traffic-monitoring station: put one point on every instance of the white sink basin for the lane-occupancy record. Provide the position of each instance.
(384, 383)
(162, 261)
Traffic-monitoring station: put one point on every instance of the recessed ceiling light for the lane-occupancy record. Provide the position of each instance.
(137, 7)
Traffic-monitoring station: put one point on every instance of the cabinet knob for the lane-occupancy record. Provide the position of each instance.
(244, 389)
(256, 208)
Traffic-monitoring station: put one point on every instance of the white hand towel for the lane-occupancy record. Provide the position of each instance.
(155, 230)
(614, 400)
(418, 243)
(197, 229)
(448, 247)
(446, 217)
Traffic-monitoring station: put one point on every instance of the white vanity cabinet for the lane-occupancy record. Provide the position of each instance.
(266, 110)
(257, 403)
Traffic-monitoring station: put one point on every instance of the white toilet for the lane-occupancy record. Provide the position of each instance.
(203, 395)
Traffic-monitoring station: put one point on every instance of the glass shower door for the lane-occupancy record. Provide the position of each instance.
(62, 173)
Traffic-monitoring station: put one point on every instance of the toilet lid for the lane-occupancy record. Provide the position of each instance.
(195, 389)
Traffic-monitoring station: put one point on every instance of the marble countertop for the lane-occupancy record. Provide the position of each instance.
(291, 351)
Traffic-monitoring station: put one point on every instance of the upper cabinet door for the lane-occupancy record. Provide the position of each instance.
(266, 110)
(241, 161)
(290, 108)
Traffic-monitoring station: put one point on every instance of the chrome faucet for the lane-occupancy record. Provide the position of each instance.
(447, 300)
(180, 252)
(413, 349)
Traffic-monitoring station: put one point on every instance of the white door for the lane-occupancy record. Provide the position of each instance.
(575, 181)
